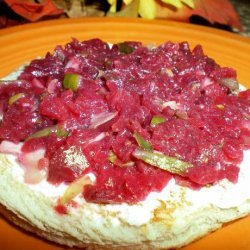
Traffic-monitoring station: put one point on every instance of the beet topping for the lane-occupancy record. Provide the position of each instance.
(134, 117)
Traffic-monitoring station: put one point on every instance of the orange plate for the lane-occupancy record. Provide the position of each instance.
(23, 43)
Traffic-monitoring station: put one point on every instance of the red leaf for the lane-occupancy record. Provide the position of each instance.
(33, 11)
(215, 11)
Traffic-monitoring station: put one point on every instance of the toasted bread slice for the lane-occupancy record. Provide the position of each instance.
(170, 219)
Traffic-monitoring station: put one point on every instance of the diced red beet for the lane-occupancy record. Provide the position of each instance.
(122, 145)
(34, 144)
(61, 209)
(21, 119)
(116, 184)
(204, 174)
(43, 69)
(54, 108)
(245, 94)
(120, 90)
(53, 143)
(66, 164)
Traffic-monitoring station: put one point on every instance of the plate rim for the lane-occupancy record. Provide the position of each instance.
(124, 20)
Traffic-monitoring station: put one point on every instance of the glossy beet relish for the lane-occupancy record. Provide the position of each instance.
(91, 107)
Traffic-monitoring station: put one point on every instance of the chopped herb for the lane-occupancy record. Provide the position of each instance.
(165, 162)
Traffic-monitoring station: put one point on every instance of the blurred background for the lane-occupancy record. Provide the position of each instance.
(230, 15)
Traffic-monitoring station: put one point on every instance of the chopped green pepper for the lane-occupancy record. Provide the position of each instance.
(16, 97)
(75, 188)
(165, 162)
(112, 157)
(142, 142)
(128, 164)
(157, 120)
(59, 130)
(116, 161)
(42, 133)
(71, 81)
(125, 48)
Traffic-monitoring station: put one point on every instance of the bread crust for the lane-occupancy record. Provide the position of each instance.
(174, 222)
